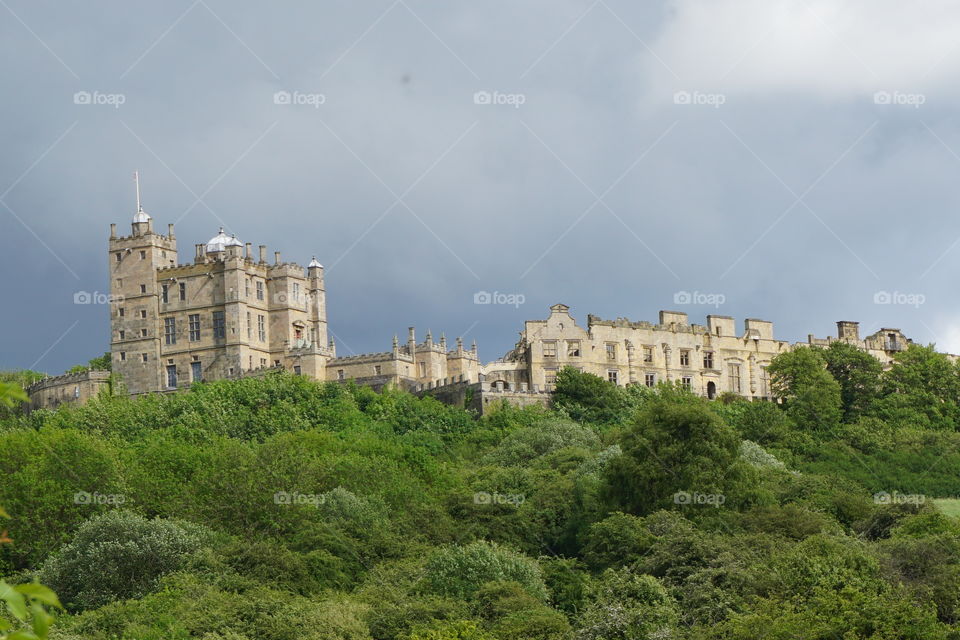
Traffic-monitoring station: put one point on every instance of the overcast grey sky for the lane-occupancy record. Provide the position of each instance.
(792, 161)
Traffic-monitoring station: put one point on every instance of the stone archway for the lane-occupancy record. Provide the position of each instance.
(711, 390)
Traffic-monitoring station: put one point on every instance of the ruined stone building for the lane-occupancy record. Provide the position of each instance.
(709, 359)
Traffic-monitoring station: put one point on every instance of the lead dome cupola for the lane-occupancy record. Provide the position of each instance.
(221, 241)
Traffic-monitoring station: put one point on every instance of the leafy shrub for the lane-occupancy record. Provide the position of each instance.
(460, 571)
(118, 555)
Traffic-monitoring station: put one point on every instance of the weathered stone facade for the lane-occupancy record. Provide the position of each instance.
(709, 359)
(225, 314)
(411, 366)
(50, 393)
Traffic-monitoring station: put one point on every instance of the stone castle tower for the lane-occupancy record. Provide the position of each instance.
(224, 315)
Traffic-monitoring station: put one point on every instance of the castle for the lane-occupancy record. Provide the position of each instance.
(230, 314)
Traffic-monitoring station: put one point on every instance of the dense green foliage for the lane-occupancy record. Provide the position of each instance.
(279, 508)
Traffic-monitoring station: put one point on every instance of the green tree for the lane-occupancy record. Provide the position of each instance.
(673, 447)
(460, 571)
(858, 374)
(921, 388)
(588, 398)
(801, 379)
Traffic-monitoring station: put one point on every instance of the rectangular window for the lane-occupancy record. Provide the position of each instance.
(170, 330)
(119, 257)
(164, 294)
(196, 371)
(123, 356)
(262, 328)
(249, 327)
(613, 376)
(194, 327)
(259, 290)
(143, 357)
(296, 292)
(648, 354)
(423, 369)
(143, 333)
(549, 348)
(246, 288)
(339, 374)
(376, 369)
(120, 311)
(573, 348)
(708, 359)
(650, 379)
(143, 313)
(183, 290)
(296, 369)
(687, 382)
(143, 255)
(734, 375)
(612, 351)
(263, 362)
(171, 376)
(550, 376)
(123, 334)
(143, 288)
(219, 325)
(684, 357)
(764, 382)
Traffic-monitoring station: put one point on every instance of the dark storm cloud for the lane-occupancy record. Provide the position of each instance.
(627, 154)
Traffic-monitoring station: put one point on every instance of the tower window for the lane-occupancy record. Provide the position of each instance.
(164, 294)
(123, 356)
(219, 324)
(170, 330)
(119, 256)
(143, 288)
(194, 327)
(120, 311)
(143, 255)
(143, 357)
(183, 290)
(123, 334)
(143, 333)
(143, 313)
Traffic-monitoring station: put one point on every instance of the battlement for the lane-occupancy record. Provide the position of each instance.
(68, 378)
(365, 358)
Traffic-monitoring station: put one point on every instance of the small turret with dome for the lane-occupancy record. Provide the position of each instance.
(142, 222)
(221, 241)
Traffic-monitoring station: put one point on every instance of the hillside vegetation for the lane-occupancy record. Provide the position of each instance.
(280, 508)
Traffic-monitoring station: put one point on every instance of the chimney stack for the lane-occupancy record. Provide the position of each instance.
(113, 231)
(263, 253)
(170, 231)
(276, 257)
